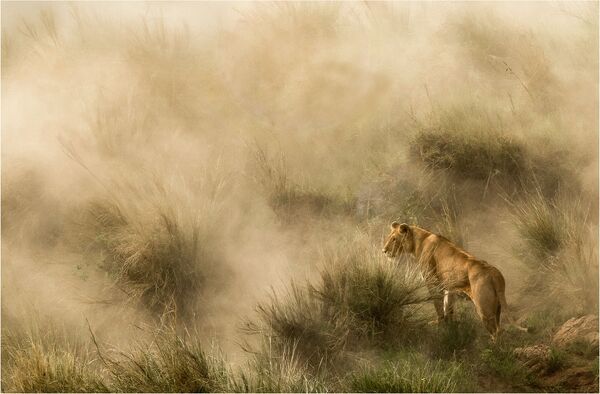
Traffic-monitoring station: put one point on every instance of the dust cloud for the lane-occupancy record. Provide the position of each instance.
(234, 139)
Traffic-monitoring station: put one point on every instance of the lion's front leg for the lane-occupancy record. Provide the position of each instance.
(436, 294)
(449, 298)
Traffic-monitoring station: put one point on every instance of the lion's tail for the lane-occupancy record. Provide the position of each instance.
(499, 286)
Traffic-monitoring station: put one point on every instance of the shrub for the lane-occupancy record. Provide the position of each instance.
(501, 362)
(542, 227)
(474, 143)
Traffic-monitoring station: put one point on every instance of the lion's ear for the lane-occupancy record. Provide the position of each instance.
(395, 225)
(404, 228)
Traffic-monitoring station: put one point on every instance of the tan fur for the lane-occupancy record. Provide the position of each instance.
(450, 269)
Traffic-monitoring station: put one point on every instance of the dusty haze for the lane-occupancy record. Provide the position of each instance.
(199, 114)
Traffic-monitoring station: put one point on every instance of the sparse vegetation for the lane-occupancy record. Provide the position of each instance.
(413, 375)
(194, 159)
(457, 337)
(556, 360)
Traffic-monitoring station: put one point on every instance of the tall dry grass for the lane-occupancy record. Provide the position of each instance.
(558, 245)
(164, 254)
(49, 359)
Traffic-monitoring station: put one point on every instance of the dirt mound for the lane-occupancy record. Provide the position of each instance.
(582, 329)
(535, 358)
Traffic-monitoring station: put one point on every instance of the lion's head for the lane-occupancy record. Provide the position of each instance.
(399, 241)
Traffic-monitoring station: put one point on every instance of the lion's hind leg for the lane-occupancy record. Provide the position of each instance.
(487, 307)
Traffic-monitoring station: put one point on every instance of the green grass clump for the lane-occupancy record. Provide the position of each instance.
(168, 363)
(582, 348)
(415, 375)
(501, 362)
(556, 360)
(296, 320)
(48, 362)
(542, 226)
(359, 297)
(457, 336)
(380, 298)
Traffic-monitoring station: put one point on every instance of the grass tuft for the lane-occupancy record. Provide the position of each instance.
(559, 245)
(160, 254)
(168, 363)
(48, 361)
(288, 197)
(470, 155)
(296, 320)
(279, 371)
(380, 298)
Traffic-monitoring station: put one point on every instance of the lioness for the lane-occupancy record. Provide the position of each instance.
(447, 267)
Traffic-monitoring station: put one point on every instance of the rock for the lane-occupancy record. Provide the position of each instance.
(533, 357)
(583, 329)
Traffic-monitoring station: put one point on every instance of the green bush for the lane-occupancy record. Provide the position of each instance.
(359, 297)
(501, 362)
(542, 226)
